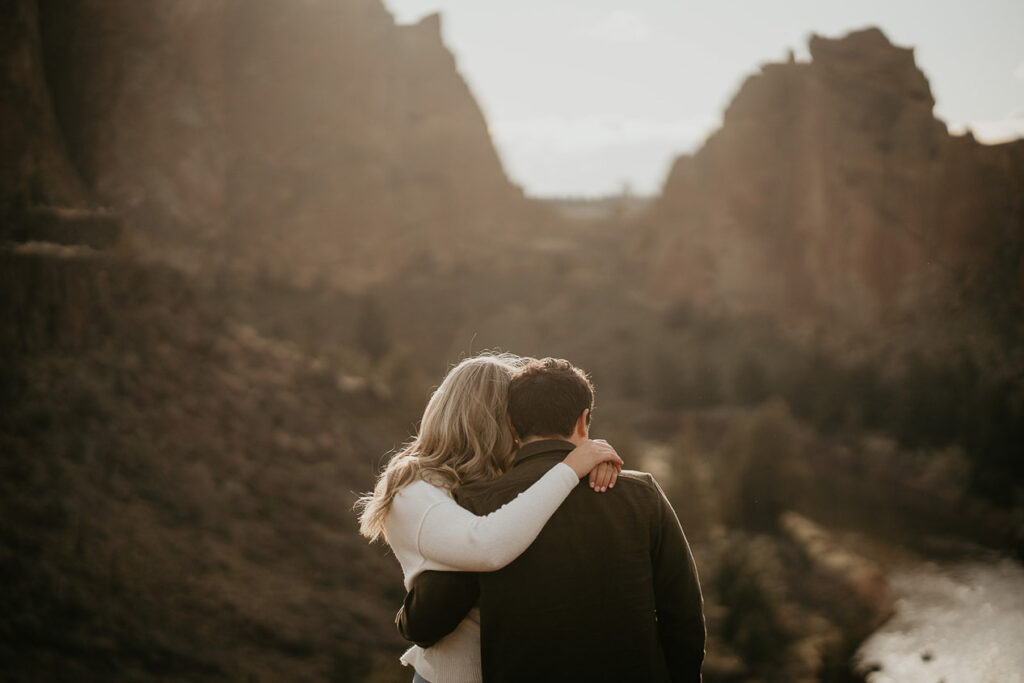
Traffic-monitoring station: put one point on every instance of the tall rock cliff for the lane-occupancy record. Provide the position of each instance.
(318, 139)
(138, 91)
(356, 136)
(831, 193)
(34, 166)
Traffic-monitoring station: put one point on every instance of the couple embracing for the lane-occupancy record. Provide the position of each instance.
(517, 569)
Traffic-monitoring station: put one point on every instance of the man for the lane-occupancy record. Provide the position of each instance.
(607, 592)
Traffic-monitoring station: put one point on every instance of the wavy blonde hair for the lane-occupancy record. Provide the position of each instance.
(464, 437)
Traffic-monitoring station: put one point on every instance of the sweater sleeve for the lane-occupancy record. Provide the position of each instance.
(451, 538)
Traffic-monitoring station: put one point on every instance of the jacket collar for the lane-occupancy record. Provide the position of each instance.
(546, 447)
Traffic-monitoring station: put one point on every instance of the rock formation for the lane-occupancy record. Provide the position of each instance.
(35, 168)
(831, 193)
(353, 140)
(41, 194)
(137, 88)
(316, 139)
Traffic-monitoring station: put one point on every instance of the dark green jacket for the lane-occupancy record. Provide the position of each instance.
(607, 592)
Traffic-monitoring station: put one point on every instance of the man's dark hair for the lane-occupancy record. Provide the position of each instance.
(547, 396)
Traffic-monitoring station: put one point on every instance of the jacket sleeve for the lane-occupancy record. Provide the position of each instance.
(678, 600)
(435, 605)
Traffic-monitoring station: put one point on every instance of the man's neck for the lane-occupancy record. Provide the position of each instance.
(574, 440)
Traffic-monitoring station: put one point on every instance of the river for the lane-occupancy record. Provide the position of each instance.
(961, 623)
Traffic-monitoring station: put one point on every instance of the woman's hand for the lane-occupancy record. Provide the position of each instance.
(603, 477)
(587, 458)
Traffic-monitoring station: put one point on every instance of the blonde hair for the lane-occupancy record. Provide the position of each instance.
(464, 437)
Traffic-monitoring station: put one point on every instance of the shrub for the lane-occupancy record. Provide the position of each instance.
(747, 580)
(760, 467)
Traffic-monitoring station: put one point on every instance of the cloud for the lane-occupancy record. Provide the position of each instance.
(1019, 72)
(620, 26)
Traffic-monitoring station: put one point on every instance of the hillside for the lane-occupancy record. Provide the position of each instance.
(177, 490)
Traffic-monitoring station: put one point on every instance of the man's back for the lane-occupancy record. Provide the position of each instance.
(608, 591)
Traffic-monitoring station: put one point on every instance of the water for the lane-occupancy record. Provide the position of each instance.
(953, 624)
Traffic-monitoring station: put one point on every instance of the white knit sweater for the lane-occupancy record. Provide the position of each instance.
(427, 529)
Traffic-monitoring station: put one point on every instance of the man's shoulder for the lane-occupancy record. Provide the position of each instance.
(638, 486)
(489, 487)
(637, 478)
(490, 491)
(515, 479)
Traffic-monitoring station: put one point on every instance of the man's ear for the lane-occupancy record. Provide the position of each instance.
(582, 428)
(512, 427)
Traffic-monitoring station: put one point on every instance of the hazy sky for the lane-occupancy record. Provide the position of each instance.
(582, 96)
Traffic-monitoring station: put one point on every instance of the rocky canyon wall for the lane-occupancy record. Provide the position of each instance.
(323, 142)
(34, 168)
(316, 139)
(831, 193)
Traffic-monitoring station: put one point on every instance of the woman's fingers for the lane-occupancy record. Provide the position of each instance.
(603, 477)
(607, 474)
(613, 476)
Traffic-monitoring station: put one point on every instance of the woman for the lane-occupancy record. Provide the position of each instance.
(465, 437)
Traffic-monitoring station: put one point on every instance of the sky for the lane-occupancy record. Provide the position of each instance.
(597, 97)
